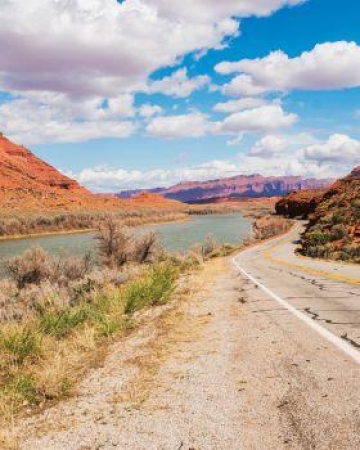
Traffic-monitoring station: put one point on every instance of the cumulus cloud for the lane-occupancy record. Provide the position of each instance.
(305, 155)
(80, 47)
(331, 65)
(268, 146)
(261, 119)
(297, 154)
(178, 84)
(239, 104)
(100, 52)
(193, 125)
(54, 118)
(338, 148)
(108, 179)
(148, 110)
(207, 10)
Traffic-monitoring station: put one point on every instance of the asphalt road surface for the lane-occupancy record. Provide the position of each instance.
(325, 292)
(302, 338)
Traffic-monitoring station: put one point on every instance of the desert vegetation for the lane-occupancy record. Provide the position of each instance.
(333, 231)
(57, 315)
(25, 225)
(68, 222)
(336, 234)
(269, 226)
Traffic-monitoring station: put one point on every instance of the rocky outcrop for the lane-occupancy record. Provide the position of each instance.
(241, 186)
(334, 226)
(22, 170)
(29, 185)
(299, 204)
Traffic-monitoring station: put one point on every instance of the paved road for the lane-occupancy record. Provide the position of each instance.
(300, 340)
(326, 292)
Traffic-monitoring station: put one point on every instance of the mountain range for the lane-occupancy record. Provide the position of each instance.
(236, 187)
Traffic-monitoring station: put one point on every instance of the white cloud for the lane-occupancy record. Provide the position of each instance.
(236, 141)
(59, 120)
(261, 119)
(239, 104)
(137, 38)
(292, 159)
(206, 10)
(178, 84)
(194, 124)
(52, 48)
(306, 156)
(148, 110)
(107, 179)
(339, 148)
(268, 146)
(122, 106)
(331, 65)
(92, 51)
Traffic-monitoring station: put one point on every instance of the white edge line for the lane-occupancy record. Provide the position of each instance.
(326, 334)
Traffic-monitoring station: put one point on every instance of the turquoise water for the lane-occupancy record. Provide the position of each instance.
(177, 236)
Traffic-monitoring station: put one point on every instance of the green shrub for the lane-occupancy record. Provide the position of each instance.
(17, 344)
(23, 388)
(152, 290)
(60, 323)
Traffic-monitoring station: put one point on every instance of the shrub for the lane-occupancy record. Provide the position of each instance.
(60, 323)
(23, 388)
(114, 243)
(19, 343)
(146, 248)
(269, 226)
(32, 267)
(152, 290)
(72, 269)
(208, 247)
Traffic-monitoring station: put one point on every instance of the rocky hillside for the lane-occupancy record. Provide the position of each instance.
(299, 204)
(30, 185)
(22, 171)
(241, 186)
(334, 227)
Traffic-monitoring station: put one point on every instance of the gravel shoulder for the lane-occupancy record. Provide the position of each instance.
(219, 368)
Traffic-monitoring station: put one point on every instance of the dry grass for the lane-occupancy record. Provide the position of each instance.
(42, 357)
(270, 226)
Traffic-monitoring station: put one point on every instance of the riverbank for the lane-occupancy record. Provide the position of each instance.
(27, 226)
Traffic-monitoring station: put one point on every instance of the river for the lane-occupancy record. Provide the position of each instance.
(174, 236)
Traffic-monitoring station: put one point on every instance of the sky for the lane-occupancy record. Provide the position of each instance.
(146, 93)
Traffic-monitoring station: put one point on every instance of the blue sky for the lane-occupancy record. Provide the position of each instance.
(145, 93)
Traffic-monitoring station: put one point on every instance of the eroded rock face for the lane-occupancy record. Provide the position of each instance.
(29, 185)
(299, 204)
(22, 170)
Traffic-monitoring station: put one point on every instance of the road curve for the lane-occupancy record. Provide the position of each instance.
(324, 295)
(300, 339)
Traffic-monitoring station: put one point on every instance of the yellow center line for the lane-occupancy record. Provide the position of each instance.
(332, 276)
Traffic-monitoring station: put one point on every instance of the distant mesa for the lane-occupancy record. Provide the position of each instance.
(232, 189)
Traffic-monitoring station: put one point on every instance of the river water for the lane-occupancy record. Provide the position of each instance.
(174, 236)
